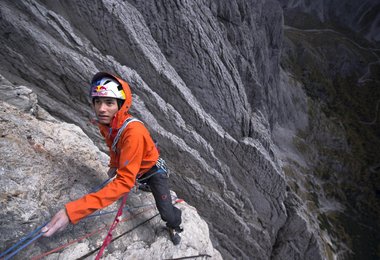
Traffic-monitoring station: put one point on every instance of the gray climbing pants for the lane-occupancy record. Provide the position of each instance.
(158, 184)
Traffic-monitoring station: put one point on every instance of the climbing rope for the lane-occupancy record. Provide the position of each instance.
(97, 231)
(116, 221)
(189, 257)
(30, 236)
(69, 243)
(37, 233)
(126, 232)
(23, 246)
(101, 185)
(116, 238)
(119, 236)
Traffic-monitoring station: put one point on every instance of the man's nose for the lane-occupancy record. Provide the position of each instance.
(102, 107)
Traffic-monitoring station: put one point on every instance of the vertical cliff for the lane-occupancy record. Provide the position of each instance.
(213, 82)
(45, 163)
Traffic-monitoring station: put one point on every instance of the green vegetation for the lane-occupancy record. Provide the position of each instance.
(342, 142)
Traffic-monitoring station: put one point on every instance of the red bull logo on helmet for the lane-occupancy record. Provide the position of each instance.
(100, 88)
(99, 91)
(107, 87)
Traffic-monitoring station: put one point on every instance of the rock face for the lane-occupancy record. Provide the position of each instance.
(220, 151)
(207, 82)
(45, 164)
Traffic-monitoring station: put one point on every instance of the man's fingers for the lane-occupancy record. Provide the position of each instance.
(57, 223)
(62, 227)
(45, 229)
(50, 228)
(50, 231)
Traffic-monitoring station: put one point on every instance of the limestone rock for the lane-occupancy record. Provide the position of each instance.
(209, 80)
(46, 164)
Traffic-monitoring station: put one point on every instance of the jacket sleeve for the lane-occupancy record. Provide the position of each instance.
(131, 154)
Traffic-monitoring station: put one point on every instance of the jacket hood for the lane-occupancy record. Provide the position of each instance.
(123, 112)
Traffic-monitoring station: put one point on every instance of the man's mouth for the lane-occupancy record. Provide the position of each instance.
(103, 117)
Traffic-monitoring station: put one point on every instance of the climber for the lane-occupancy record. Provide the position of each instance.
(133, 156)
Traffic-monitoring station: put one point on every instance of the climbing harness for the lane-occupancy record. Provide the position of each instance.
(141, 181)
(159, 167)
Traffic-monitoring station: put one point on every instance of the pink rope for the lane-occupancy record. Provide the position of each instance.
(108, 238)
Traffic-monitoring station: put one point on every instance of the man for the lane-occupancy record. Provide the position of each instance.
(133, 154)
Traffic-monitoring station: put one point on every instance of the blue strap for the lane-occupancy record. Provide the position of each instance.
(23, 246)
(31, 234)
(34, 235)
(101, 185)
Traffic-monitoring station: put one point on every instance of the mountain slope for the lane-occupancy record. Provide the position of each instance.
(236, 100)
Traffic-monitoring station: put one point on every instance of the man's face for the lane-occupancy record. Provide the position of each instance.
(105, 109)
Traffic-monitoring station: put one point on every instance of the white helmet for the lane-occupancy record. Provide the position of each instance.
(107, 87)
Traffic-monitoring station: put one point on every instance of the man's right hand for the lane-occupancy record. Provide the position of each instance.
(58, 223)
(111, 172)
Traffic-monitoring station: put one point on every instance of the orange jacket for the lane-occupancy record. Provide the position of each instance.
(136, 153)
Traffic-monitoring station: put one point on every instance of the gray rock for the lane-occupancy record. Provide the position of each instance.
(46, 164)
(207, 82)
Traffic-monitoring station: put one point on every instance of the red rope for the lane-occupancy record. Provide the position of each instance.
(95, 232)
(68, 244)
(86, 236)
(116, 221)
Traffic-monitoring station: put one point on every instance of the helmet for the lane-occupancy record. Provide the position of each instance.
(107, 87)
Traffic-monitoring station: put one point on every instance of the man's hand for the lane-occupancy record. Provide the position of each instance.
(111, 172)
(58, 223)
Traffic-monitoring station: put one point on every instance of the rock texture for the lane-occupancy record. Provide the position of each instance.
(207, 82)
(37, 177)
(332, 50)
(220, 151)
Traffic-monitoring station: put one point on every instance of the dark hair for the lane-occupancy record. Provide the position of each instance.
(120, 103)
